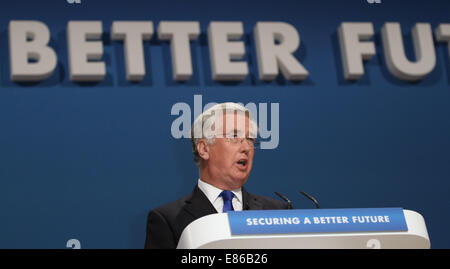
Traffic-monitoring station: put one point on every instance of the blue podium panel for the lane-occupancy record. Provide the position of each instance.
(317, 221)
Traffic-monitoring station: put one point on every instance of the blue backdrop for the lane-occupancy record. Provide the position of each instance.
(88, 161)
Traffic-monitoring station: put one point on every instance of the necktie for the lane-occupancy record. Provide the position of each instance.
(227, 197)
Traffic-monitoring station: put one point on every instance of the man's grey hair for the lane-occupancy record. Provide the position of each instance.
(202, 128)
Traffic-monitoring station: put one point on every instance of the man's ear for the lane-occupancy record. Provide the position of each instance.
(203, 149)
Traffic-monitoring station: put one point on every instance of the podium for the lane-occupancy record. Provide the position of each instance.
(307, 229)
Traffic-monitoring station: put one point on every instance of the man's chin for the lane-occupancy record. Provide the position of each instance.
(239, 181)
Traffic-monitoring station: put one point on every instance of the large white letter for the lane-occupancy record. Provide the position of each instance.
(443, 34)
(179, 34)
(222, 51)
(353, 52)
(396, 60)
(81, 50)
(28, 40)
(272, 56)
(133, 33)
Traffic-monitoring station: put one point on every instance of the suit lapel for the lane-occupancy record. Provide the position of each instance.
(198, 205)
(250, 202)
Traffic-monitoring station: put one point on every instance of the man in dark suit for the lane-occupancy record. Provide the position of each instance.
(223, 141)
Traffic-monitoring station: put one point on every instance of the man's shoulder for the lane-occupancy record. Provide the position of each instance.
(267, 202)
(171, 208)
(165, 224)
(194, 204)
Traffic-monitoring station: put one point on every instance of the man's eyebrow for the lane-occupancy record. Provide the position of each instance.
(233, 131)
(236, 132)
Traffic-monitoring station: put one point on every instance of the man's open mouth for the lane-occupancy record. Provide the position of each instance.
(242, 163)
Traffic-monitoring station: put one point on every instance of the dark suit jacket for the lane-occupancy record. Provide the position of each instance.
(166, 223)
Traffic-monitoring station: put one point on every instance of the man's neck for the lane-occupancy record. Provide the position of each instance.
(219, 186)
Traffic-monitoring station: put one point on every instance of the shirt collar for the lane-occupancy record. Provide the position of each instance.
(213, 192)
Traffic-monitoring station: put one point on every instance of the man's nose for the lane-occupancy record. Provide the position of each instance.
(245, 146)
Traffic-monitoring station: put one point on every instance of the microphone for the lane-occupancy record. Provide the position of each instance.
(311, 198)
(285, 199)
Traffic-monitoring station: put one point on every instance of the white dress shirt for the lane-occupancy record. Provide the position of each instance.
(213, 196)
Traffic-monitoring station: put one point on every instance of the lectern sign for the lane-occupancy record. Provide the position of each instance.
(317, 221)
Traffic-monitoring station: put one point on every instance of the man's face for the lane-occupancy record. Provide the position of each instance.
(230, 159)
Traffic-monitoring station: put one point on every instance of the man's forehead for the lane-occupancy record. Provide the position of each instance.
(235, 124)
(234, 120)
